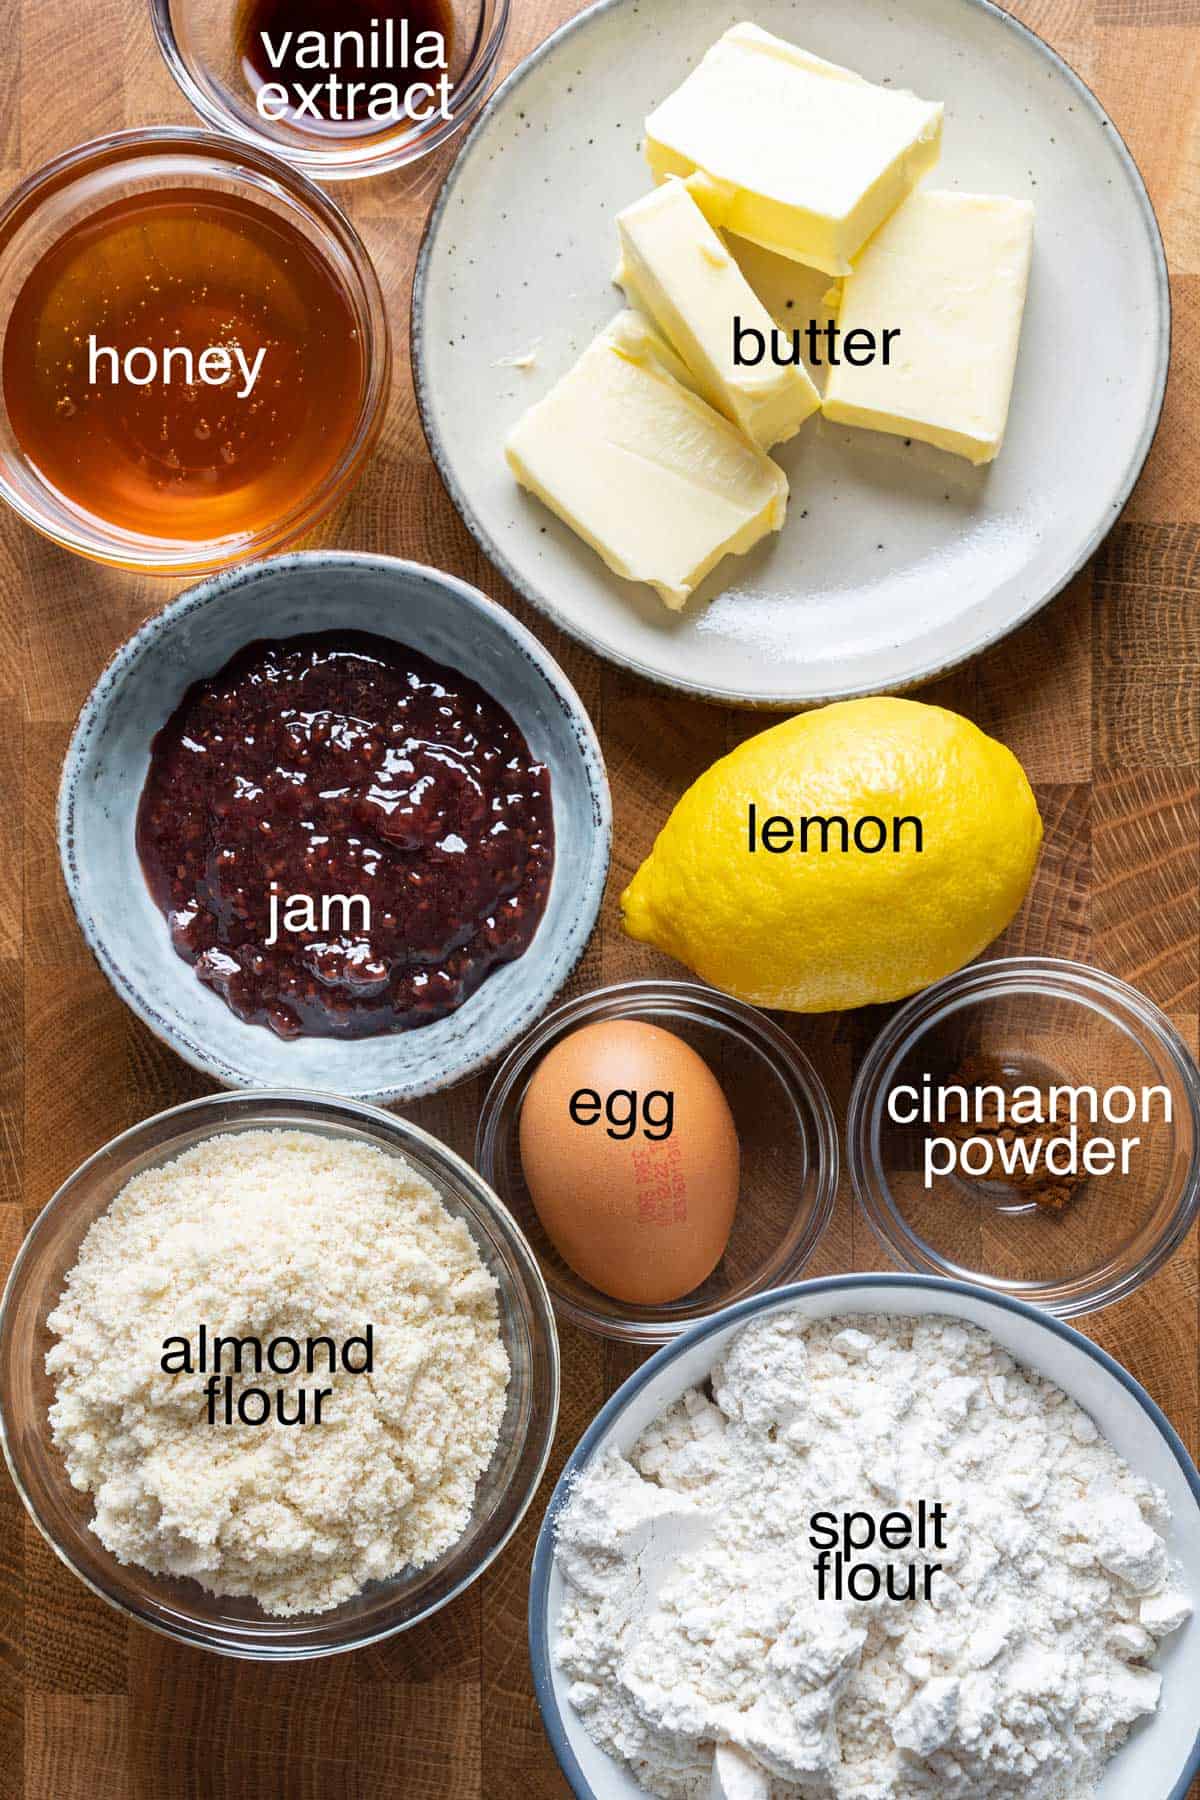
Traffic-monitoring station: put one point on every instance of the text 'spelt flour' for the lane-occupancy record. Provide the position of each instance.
(691, 1621)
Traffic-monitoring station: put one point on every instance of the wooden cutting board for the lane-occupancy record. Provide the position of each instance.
(1099, 696)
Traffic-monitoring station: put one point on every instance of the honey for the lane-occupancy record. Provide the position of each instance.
(184, 364)
(348, 68)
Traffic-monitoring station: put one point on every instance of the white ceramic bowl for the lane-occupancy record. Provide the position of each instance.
(1162, 1754)
(195, 636)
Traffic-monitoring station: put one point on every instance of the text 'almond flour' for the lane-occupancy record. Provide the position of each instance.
(279, 1234)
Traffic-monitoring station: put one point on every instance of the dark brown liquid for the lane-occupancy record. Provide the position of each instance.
(172, 460)
(288, 64)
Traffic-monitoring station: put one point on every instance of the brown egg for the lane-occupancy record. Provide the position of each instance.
(630, 1154)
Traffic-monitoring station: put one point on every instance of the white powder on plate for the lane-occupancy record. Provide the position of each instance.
(690, 1618)
(279, 1234)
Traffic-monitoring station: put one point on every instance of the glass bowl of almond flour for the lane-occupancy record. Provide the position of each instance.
(1038, 1638)
(434, 1451)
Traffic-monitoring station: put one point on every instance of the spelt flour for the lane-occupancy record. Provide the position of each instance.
(690, 1624)
(279, 1234)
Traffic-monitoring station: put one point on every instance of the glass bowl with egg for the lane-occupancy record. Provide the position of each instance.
(1032, 1125)
(667, 1149)
(181, 1607)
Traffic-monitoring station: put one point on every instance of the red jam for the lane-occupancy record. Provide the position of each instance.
(341, 767)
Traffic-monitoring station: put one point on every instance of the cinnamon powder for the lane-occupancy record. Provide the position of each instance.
(1053, 1192)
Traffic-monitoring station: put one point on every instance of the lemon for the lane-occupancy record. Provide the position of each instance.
(892, 842)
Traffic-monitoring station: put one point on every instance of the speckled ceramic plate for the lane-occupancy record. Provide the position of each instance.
(195, 636)
(894, 563)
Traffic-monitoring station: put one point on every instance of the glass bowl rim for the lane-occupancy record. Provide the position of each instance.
(1044, 976)
(545, 1421)
(180, 557)
(397, 151)
(696, 1003)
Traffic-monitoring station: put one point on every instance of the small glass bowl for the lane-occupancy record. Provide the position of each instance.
(785, 1125)
(182, 1609)
(95, 174)
(1035, 1020)
(201, 43)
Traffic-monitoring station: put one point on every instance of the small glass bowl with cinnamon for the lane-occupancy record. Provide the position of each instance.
(1031, 1125)
(341, 89)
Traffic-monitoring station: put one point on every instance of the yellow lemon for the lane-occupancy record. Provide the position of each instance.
(851, 855)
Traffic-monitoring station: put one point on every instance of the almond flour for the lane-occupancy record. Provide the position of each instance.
(279, 1234)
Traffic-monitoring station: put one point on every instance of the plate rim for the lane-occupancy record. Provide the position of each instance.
(777, 701)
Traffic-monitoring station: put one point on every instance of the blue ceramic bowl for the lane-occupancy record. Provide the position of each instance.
(1161, 1754)
(109, 755)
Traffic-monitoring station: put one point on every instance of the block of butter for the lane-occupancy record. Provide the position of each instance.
(801, 156)
(675, 268)
(626, 452)
(949, 271)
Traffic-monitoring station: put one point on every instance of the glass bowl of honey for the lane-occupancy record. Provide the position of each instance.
(339, 88)
(196, 356)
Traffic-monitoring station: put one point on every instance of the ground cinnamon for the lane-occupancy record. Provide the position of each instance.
(987, 1120)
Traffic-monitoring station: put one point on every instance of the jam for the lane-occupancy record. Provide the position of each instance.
(342, 774)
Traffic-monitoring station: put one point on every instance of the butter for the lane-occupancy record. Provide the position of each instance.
(628, 455)
(801, 156)
(950, 270)
(675, 268)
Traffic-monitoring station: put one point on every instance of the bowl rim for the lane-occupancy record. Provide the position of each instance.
(537, 1291)
(395, 152)
(182, 557)
(690, 1000)
(1049, 975)
(214, 590)
(781, 700)
(543, 1555)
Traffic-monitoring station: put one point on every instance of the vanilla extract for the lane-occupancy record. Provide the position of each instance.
(345, 67)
